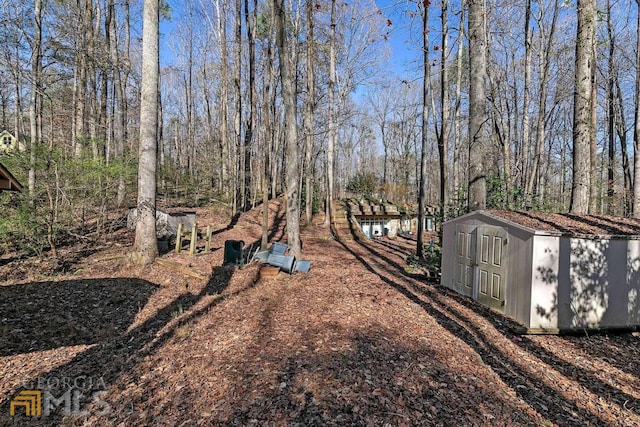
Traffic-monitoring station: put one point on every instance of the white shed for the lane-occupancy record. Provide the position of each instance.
(549, 272)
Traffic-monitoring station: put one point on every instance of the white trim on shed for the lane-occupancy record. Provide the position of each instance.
(547, 280)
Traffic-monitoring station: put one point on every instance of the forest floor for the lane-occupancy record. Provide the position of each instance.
(359, 340)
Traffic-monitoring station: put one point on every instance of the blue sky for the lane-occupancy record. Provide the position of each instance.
(405, 51)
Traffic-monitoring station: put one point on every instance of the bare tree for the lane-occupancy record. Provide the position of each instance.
(477, 106)
(426, 84)
(308, 118)
(636, 123)
(457, 121)
(583, 105)
(35, 114)
(331, 119)
(288, 79)
(443, 137)
(145, 245)
(251, 18)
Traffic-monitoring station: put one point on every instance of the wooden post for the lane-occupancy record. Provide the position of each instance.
(194, 239)
(207, 245)
(179, 238)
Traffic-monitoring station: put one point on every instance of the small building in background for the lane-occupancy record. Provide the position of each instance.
(10, 144)
(7, 181)
(549, 272)
(386, 219)
(380, 219)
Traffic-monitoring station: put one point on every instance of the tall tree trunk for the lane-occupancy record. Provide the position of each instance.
(526, 100)
(621, 128)
(331, 119)
(477, 106)
(594, 190)
(288, 79)
(457, 121)
(79, 132)
(237, 79)
(251, 119)
(443, 140)
(582, 118)
(34, 114)
(545, 50)
(308, 118)
(636, 124)
(121, 134)
(611, 134)
(426, 83)
(269, 120)
(224, 95)
(145, 245)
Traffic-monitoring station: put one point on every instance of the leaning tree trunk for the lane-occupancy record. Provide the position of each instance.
(145, 245)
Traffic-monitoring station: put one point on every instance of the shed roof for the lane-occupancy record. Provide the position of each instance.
(573, 224)
(7, 181)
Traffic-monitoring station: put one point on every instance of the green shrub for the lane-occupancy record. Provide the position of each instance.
(432, 258)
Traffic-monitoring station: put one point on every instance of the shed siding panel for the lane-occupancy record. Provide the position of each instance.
(544, 283)
(518, 260)
(599, 285)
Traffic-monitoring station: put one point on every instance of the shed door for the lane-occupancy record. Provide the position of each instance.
(491, 250)
(465, 254)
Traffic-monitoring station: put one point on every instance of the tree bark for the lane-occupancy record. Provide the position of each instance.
(251, 119)
(331, 139)
(526, 102)
(477, 106)
(443, 140)
(457, 121)
(145, 245)
(309, 119)
(636, 124)
(237, 87)
(582, 115)
(35, 115)
(287, 77)
(224, 95)
(426, 82)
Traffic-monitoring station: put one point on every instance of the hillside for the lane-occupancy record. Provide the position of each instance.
(359, 340)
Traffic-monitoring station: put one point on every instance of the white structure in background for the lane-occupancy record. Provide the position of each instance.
(549, 272)
(10, 144)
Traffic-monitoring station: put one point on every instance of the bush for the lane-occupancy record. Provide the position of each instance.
(432, 258)
(363, 184)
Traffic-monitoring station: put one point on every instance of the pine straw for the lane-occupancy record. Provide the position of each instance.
(356, 341)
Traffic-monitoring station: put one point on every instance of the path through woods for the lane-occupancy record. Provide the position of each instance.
(359, 340)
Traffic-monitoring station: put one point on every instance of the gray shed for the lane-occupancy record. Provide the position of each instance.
(549, 272)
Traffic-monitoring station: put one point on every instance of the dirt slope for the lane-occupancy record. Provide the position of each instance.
(356, 341)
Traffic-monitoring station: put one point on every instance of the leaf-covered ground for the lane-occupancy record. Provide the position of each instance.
(359, 340)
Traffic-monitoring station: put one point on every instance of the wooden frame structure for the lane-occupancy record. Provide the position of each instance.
(7, 181)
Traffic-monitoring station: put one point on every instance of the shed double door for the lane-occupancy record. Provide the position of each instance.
(481, 271)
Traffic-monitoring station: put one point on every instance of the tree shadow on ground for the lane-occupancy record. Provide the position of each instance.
(544, 399)
(47, 315)
(115, 355)
(372, 379)
(585, 378)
